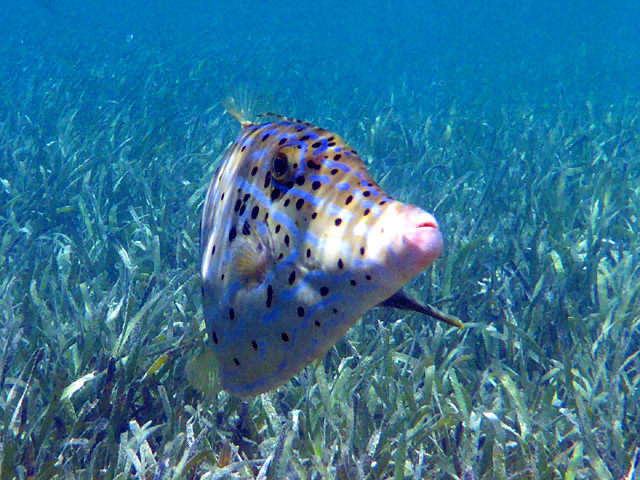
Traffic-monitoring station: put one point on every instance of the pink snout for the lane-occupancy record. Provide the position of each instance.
(422, 241)
(416, 241)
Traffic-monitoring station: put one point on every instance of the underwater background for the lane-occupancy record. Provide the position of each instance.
(516, 123)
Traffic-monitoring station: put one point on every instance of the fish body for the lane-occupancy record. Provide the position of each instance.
(297, 243)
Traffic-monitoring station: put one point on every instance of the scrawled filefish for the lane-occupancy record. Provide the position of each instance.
(297, 243)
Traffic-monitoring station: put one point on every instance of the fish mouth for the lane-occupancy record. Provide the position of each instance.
(422, 242)
(429, 224)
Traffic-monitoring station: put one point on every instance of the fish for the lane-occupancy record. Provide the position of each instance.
(297, 242)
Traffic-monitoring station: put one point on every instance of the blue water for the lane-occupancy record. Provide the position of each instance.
(124, 98)
(490, 52)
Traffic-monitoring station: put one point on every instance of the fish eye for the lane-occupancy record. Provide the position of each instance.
(279, 164)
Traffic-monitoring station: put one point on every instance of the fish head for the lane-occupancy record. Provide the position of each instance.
(297, 242)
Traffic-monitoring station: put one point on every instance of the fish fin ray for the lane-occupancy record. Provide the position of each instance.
(252, 257)
(203, 372)
(241, 105)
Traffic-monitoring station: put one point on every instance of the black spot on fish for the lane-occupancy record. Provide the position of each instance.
(254, 344)
(301, 312)
(275, 193)
(213, 250)
(267, 179)
(366, 212)
(366, 193)
(313, 165)
(285, 337)
(286, 240)
(348, 200)
(242, 209)
(308, 252)
(361, 250)
(382, 202)
(324, 291)
(300, 180)
(232, 234)
(282, 141)
(222, 277)
(278, 228)
(334, 171)
(338, 222)
(246, 229)
(246, 197)
(314, 215)
(337, 156)
(368, 277)
(292, 277)
(316, 145)
(222, 196)
(236, 207)
(202, 290)
(305, 138)
(317, 323)
(265, 136)
(214, 337)
(353, 283)
(237, 362)
(340, 263)
(232, 314)
(254, 170)
(244, 147)
(299, 203)
(269, 296)
(286, 202)
(335, 311)
(316, 185)
(254, 212)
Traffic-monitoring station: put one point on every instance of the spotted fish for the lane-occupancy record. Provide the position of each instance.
(297, 243)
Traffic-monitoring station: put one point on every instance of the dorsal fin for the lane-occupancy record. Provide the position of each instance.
(286, 119)
(238, 115)
(240, 106)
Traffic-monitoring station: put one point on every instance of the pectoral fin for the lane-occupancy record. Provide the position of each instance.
(252, 257)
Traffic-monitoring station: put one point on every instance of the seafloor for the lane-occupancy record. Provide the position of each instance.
(104, 159)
